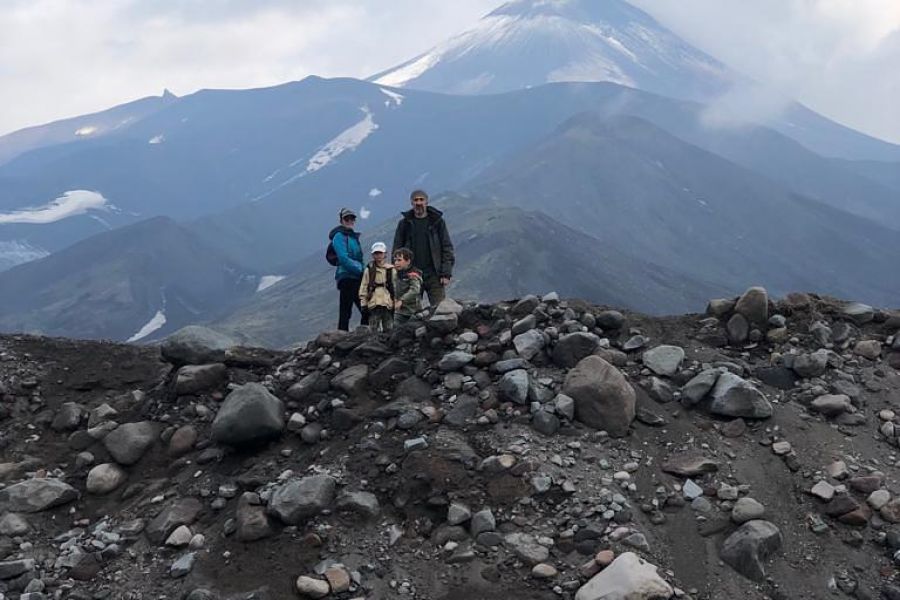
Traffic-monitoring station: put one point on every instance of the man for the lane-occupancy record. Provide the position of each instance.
(424, 231)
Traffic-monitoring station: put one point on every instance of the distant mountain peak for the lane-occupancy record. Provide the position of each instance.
(531, 42)
(168, 95)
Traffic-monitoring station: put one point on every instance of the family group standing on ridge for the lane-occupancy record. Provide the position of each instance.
(388, 292)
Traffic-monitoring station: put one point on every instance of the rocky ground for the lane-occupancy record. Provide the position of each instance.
(534, 449)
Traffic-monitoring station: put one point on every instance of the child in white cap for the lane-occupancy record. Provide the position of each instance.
(376, 291)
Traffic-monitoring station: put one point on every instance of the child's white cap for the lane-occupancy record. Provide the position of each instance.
(379, 247)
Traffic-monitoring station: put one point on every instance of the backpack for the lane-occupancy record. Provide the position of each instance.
(330, 255)
(389, 282)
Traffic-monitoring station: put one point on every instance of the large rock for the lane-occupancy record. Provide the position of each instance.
(754, 305)
(352, 380)
(699, 386)
(303, 389)
(513, 386)
(733, 396)
(628, 578)
(464, 409)
(571, 348)
(811, 365)
(690, 465)
(192, 379)
(249, 415)
(129, 442)
(832, 405)
(301, 499)
(196, 345)
(35, 495)
(603, 397)
(664, 360)
(182, 511)
(747, 549)
(527, 548)
(68, 417)
(738, 329)
(859, 313)
(391, 369)
(105, 478)
(529, 344)
(251, 520)
(454, 361)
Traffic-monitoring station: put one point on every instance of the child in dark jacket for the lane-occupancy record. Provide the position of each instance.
(409, 287)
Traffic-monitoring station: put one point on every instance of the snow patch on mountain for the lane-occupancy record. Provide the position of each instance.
(374, 193)
(364, 213)
(157, 139)
(16, 252)
(70, 204)
(347, 140)
(397, 98)
(410, 70)
(153, 325)
(267, 281)
(85, 131)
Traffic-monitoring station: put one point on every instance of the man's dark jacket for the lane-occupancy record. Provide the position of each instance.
(438, 240)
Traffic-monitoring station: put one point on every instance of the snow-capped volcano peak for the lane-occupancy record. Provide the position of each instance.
(530, 42)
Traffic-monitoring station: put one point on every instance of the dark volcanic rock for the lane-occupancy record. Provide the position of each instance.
(603, 397)
(249, 415)
(196, 345)
(747, 549)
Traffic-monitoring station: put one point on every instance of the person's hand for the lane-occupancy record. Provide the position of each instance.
(398, 304)
(445, 281)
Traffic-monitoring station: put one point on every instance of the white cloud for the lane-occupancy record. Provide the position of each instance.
(70, 57)
(70, 204)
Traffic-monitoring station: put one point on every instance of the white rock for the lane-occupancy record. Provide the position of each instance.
(627, 578)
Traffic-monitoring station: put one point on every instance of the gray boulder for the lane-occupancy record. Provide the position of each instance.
(129, 442)
(68, 417)
(192, 379)
(564, 406)
(831, 405)
(664, 360)
(603, 397)
(443, 323)
(303, 389)
(301, 499)
(747, 549)
(733, 396)
(453, 361)
(352, 380)
(513, 386)
(105, 478)
(754, 305)
(196, 345)
(249, 415)
(811, 365)
(738, 329)
(36, 495)
(529, 344)
(545, 422)
(182, 511)
(573, 347)
(527, 548)
(859, 313)
(699, 386)
(628, 577)
(364, 504)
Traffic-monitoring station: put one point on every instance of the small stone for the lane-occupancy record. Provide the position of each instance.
(879, 499)
(690, 466)
(180, 537)
(543, 571)
(823, 491)
(747, 509)
(781, 448)
(458, 514)
(664, 360)
(105, 478)
(482, 521)
(309, 587)
(183, 565)
(338, 579)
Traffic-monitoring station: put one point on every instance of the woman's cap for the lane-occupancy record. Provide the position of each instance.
(379, 247)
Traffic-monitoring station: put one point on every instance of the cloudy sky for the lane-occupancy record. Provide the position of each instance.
(62, 58)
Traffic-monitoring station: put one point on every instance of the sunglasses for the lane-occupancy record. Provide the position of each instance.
(350, 218)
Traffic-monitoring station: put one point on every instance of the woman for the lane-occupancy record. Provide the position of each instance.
(348, 275)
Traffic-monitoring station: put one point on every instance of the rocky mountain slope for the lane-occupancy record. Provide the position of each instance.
(150, 278)
(502, 252)
(532, 449)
